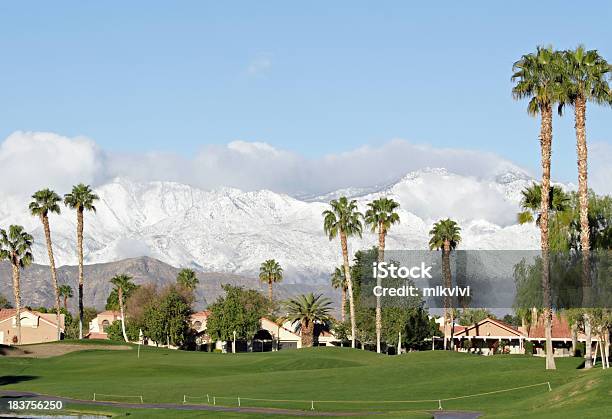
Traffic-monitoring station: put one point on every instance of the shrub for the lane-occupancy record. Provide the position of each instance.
(504, 346)
(580, 350)
(114, 331)
(528, 347)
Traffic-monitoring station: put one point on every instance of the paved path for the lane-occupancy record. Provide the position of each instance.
(447, 414)
(9, 394)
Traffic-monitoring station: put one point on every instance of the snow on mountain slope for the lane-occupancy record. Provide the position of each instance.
(228, 230)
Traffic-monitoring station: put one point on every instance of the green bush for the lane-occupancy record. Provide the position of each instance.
(217, 351)
(528, 348)
(114, 331)
(580, 350)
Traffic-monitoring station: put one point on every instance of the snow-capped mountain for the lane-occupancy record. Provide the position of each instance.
(229, 230)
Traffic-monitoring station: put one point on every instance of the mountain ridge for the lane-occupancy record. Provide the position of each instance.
(36, 289)
(232, 231)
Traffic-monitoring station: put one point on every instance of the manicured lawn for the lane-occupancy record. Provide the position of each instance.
(330, 376)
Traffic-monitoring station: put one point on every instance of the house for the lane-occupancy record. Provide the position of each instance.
(271, 336)
(561, 336)
(197, 322)
(491, 335)
(282, 334)
(99, 324)
(487, 335)
(36, 327)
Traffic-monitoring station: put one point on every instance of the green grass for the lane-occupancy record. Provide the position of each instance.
(323, 374)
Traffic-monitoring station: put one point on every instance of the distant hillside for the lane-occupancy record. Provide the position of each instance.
(36, 287)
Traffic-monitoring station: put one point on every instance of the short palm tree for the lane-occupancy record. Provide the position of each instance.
(558, 207)
(123, 284)
(306, 310)
(531, 203)
(338, 281)
(44, 202)
(16, 247)
(270, 272)
(187, 279)
(65, 291)
(446, 235)
(538, 77)
(81, 199)
(381, 216)
(586, 76)
(344, 220)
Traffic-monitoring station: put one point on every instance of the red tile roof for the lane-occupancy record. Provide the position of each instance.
(560, 328)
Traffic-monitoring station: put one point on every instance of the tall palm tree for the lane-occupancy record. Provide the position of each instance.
(381, 216)
(81, 199)
(270, 272)
(187, 279)
(445, 236)
(16, 247)
(538, 78)
(44, 202)
(123, 284)
(338, 281)
(344, 220)
(65, 291)
(586, 76)
(306, 310)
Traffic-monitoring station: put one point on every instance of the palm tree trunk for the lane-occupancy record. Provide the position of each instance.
(66, 303)
(349, 283)
(307, 329)
(80, 250)
(583, 200)
(270, 289)
(588, 345)
(45, 222)
(343, 303)
(381, 258)
(607, 346)
(546, 144)
(574, 338)
(447, 283)
(120, 295)
(17, 295)
(399, 343)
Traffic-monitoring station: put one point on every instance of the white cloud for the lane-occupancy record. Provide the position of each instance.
(433, 196)
(31, 160)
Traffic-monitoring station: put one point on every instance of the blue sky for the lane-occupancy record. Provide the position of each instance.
(312, 78)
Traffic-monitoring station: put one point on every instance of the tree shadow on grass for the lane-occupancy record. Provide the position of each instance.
(14, 379)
